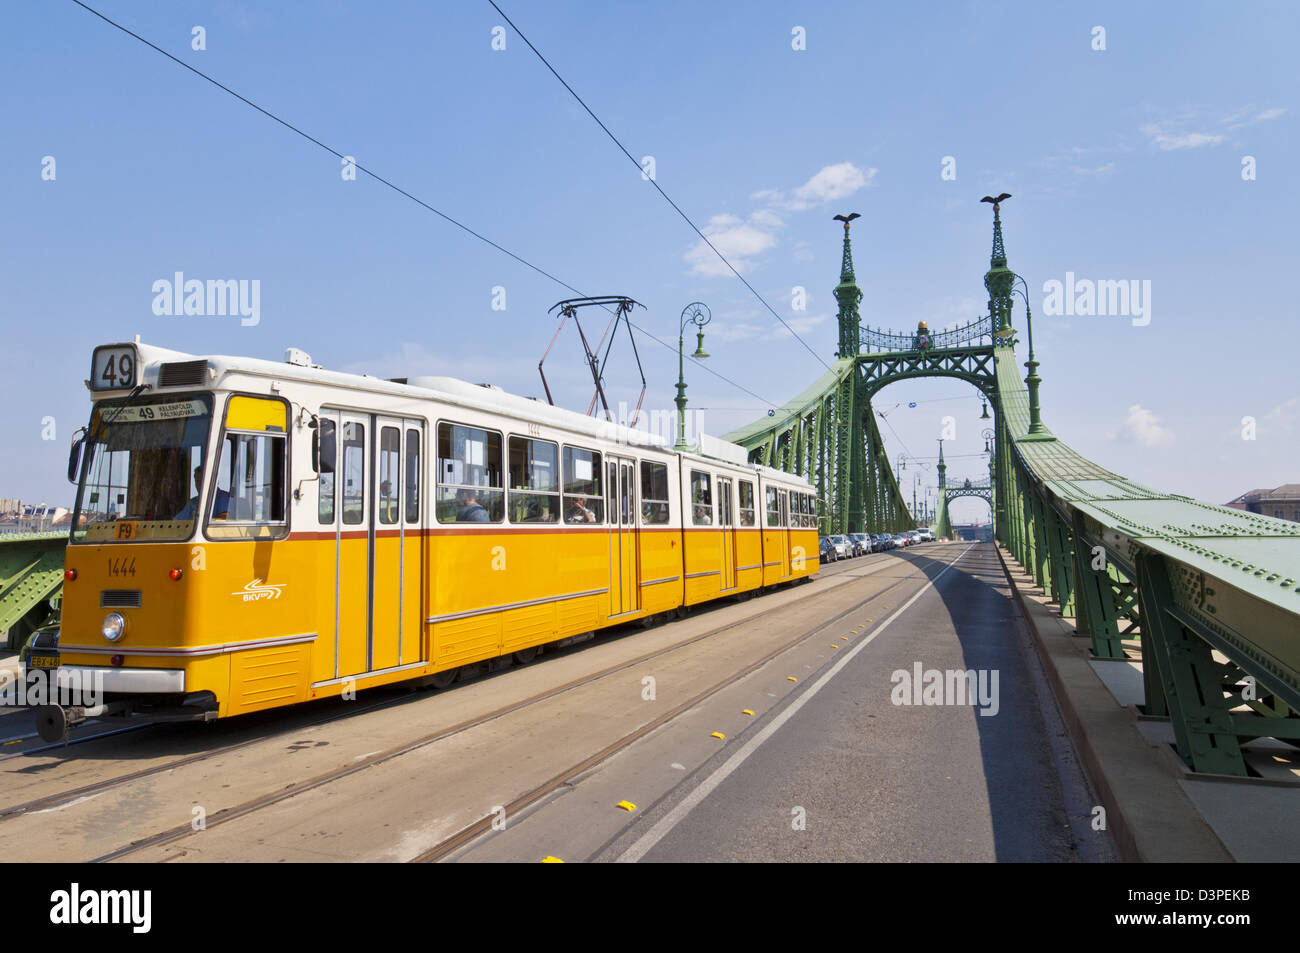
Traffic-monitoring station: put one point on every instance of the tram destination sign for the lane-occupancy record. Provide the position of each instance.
(172, 410)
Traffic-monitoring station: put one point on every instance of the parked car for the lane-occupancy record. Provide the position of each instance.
(826, 550)
(843, 546)
(861, 544)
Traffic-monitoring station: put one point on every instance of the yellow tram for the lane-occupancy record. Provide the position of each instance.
(250, 534)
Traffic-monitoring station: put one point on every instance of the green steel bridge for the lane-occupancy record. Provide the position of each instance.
(1211, 594)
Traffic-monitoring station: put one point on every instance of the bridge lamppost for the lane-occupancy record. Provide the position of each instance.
(698, 314)
(1033, 381)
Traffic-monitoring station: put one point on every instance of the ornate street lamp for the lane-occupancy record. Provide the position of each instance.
(698, 314)
(1032, 381)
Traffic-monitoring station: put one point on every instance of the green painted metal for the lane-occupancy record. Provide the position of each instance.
(31, 576)
(1186, 579)
(978, 490)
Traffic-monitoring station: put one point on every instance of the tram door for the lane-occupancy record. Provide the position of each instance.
(624, 588)
(726, 535)
(352, 563)
(783, 534)
(395, 565)
(373, 499)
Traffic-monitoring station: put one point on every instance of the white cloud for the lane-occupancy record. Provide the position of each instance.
(740, 242)
(800, 325)
(1170, 134)
(1166, 137)
(1099, 171)
(1250, 115)
(760, 326)
(1144, 427)
(832, 182)
(1282, 420)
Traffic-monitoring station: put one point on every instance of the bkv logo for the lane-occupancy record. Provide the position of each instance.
(256, 591)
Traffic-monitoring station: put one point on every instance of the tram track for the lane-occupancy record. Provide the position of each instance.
(467, 834)
(47, 802)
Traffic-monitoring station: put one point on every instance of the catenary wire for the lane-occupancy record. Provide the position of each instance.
(398, 189)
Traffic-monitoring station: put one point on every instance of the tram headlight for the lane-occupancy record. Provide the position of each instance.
(114, 626)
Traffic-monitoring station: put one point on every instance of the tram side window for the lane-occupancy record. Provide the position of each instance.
(469, 475)
(654, 493)
(251, 485)
(583, 499)
(534, 481)
(354, 473)
(701, 499)
(796, 510)
(773, 508)
(328, 453)
(746, 503)
(412, 476)
(390, 457)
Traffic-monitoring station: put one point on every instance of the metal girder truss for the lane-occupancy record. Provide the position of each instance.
(982, 490)
(829, 434)
(31, 577)
(1218, 632)
(1210, 594)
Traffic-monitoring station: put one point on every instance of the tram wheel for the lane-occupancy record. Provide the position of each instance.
(525, 656)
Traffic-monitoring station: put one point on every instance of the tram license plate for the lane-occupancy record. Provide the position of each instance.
(42, 661)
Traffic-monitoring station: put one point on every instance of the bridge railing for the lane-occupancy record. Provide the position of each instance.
(876, 341)
(1210, 594)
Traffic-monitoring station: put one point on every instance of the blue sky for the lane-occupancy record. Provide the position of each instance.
(1124, 164)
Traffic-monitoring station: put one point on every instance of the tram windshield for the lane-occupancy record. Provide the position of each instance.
(142, 475)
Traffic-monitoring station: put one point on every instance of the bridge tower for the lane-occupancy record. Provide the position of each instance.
(848, 295)
(999, 279)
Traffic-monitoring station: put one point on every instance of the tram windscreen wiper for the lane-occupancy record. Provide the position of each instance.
(135, 392)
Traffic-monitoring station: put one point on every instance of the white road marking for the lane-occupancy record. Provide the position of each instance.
(72, 803)
(650, 838)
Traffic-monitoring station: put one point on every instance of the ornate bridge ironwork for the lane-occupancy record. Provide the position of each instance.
(877, 341)
(1213, 593)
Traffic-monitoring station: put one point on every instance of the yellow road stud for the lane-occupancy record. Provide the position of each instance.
(791, 678)
(834, 646)
(746, 711)
(719, 735)
(548, 859)
(626, 805)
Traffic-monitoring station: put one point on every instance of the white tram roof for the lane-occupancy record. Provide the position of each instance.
(485, 397)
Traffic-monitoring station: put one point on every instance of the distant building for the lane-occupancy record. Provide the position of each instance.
(10, 506)
(1282, 502)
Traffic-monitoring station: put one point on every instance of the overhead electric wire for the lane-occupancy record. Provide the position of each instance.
(398, 189)
(686, 218)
